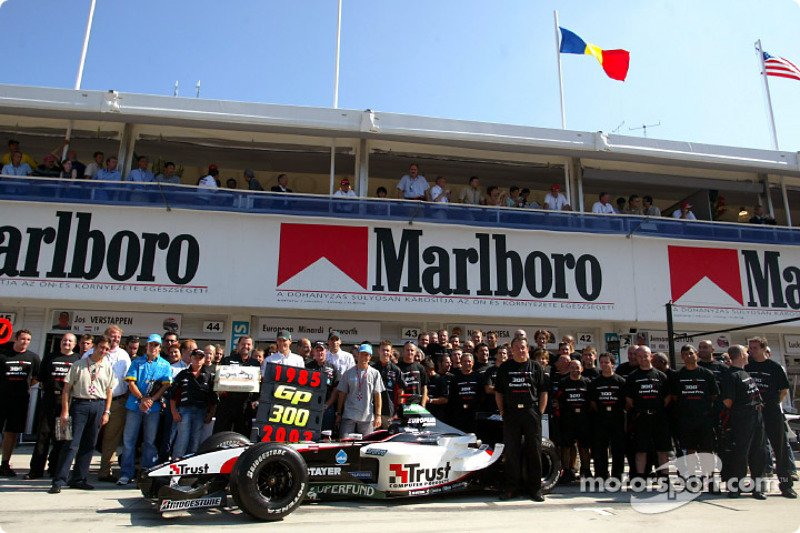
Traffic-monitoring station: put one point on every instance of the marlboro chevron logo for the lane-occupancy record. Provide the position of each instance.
(750, 277)
(406, 261)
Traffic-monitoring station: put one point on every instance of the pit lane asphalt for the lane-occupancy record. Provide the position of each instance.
(26, 507)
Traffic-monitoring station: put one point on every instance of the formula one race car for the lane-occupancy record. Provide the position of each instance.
(417, 456)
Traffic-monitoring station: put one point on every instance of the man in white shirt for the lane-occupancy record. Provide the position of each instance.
(345, 190)
(555, 201)
(284, 355)
(120, 361)
(603, 206)
(684, 212)
(440, 193)
(339, 358)
(209, 181)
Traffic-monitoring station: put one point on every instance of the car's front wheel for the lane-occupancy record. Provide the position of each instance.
(269, 480)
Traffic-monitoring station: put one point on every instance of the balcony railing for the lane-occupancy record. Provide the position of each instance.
(203, 199)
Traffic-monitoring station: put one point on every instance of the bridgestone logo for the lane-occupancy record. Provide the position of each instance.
(181, 505)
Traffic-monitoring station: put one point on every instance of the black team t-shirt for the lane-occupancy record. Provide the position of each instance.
(17, 370)
(648, 389)
(695, 391)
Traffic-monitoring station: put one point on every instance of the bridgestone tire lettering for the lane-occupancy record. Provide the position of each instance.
(269, 480)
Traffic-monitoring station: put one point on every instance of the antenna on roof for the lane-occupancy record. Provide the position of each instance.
(644, 128)
(198, 89)
(616, 130)
(175, 93)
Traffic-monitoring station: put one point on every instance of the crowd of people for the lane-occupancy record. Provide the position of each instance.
(412, 186)
(600, 414)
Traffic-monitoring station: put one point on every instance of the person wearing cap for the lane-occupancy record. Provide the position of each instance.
(555, 201)
(236, 409)
(252, 183)
(17, 167)
(345, 190)
(48, 169)
(283, 181)
(148, 378)
(684, 212)
(210, 180)
(359, 399)
(339, 358)
(413, 186)
(319, 363)
(192, 402)
(284, 355)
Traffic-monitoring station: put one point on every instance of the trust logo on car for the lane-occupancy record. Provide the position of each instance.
(406, 474)
(184, 469)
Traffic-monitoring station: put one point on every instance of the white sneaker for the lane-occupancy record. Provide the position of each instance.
(123, 480)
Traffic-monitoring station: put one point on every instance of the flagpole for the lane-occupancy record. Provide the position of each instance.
(336, 92)
(79, 78)
(567, 187)
(773, 131)
(560, 80)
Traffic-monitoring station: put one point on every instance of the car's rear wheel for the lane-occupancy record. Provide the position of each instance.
(551, 465)
(269, 480)
(223, 439)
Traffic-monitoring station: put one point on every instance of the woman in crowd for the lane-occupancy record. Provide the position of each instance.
(87, 399)
(193, 403)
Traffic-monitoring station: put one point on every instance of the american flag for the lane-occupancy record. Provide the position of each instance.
(783, 68)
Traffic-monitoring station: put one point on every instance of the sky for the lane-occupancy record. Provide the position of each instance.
(694, 74)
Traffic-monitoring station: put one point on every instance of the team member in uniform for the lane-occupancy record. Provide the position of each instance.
(51, 379)
(192, 403)
(705, 356)
(320, 363)
(521, 399)
(87, 396)
(19, 369)
(466, 393)
(488, 404)
(741, 396)
(481, 354)
(148, 379)
(648, 394)
(573, 406)
(589, 360)
(773, 386)
(438, 388)
(359, 398)
(414, 376)
(607, 396)
(694, 391)
(235, 409)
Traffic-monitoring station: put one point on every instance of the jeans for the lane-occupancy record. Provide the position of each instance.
(189, 430)
(133, 422)
(86, 417)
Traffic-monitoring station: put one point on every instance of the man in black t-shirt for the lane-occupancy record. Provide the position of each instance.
(19, 370)
(741, 396)
(414, 376)
(438, 389)
(236, 409)
(648, 394)
(694, 391)
(51, 382)
(331, 375)
(773, 386)
(607, 396)
(573, 407)
(481, 358)
(393, 383)
(521, 399)
(624, 369)
(589, 360)
(466, 394)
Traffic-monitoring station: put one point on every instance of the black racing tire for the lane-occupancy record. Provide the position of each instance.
(269, 481)
(223, 439)
(551, 465)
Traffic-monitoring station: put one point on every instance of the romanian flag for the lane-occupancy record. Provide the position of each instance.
(614, 62)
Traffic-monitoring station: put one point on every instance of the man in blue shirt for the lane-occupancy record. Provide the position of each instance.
(141, 174)
(148, 378)
(16, 167)
(110, 173)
